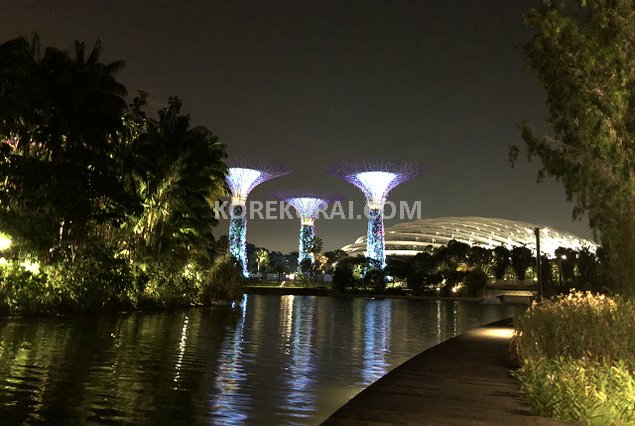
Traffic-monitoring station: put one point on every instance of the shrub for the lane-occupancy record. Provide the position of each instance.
(375, 279)
(579, 390)
(167, 285)
(578, 325)
(343, 278)
(224, 281)
(22, 291)
(577, 358)
(96, 281)
(475, 281)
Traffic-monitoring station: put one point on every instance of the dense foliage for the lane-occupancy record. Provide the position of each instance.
(458, 269)
(224, 282)
(573, 373)
(354, 274)
(59, 117)
(579, 390)
(114, 205)
(552, 328)
(584, 54)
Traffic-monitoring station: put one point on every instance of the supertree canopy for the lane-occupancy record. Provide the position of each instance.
(376, 180)
(308, 206)
(243, 176)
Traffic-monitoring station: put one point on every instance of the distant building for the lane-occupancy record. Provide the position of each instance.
(410, 238)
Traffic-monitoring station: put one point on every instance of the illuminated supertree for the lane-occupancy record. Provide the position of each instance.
(243, 176)
(375, 180)
(308, 206)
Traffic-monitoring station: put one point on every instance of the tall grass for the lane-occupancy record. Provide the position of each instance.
(578, 325)
(579, 390)
(577, 358)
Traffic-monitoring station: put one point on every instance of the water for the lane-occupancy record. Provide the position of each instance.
(279, 360)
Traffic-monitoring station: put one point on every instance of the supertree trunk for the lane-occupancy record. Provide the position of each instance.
(307, 233)
(375, 236)
(237, 235)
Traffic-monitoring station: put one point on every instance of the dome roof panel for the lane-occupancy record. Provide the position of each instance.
(410, 238)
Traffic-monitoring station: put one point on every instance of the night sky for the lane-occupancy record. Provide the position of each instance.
(308, 83)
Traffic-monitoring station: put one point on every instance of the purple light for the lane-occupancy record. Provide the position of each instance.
(243, 176)
(308, 206)
(375, 180)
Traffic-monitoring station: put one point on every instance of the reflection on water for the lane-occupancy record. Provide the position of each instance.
(228, 400)
(376, 340)
(278, 360)
(300, 374)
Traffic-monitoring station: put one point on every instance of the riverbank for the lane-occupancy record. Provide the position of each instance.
(463, 381)
(324, 291)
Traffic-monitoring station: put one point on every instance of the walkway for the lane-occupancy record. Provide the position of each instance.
(463, 381)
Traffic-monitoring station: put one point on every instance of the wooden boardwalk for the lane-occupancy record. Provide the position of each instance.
(463, 381)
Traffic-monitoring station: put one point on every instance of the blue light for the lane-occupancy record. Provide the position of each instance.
(376, 185)
(376, 179)
(375, 236)
(238, 236)
(307, 209)
(307, 233)
(241, 180)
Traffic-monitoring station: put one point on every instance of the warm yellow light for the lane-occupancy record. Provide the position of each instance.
(32, 267)
(497, 332)
(5, 241)
(188, 270)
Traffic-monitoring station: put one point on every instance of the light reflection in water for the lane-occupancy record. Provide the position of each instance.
(299, 378)
(278, 360)
(182, 344)
(438, 304)
(286, 322)
(455, 317)
(228, 401)
(376, 340)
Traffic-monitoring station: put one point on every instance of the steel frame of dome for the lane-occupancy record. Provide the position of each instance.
(410, 238)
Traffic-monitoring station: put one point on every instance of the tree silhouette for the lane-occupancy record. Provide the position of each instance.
(59, 117)
(583, 52)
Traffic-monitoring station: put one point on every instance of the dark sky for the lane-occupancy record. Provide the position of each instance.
(312, 82)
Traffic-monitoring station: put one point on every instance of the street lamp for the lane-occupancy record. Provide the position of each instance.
(560, 259)
(538, 268)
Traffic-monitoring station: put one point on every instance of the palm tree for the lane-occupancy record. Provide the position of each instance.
(179, 173)
(481, 258)
(19, 90)
(316, 246)
(62, 114)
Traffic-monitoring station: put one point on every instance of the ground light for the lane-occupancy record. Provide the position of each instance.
(5, 241)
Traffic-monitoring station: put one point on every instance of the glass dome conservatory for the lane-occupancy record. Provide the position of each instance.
(410, 238)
